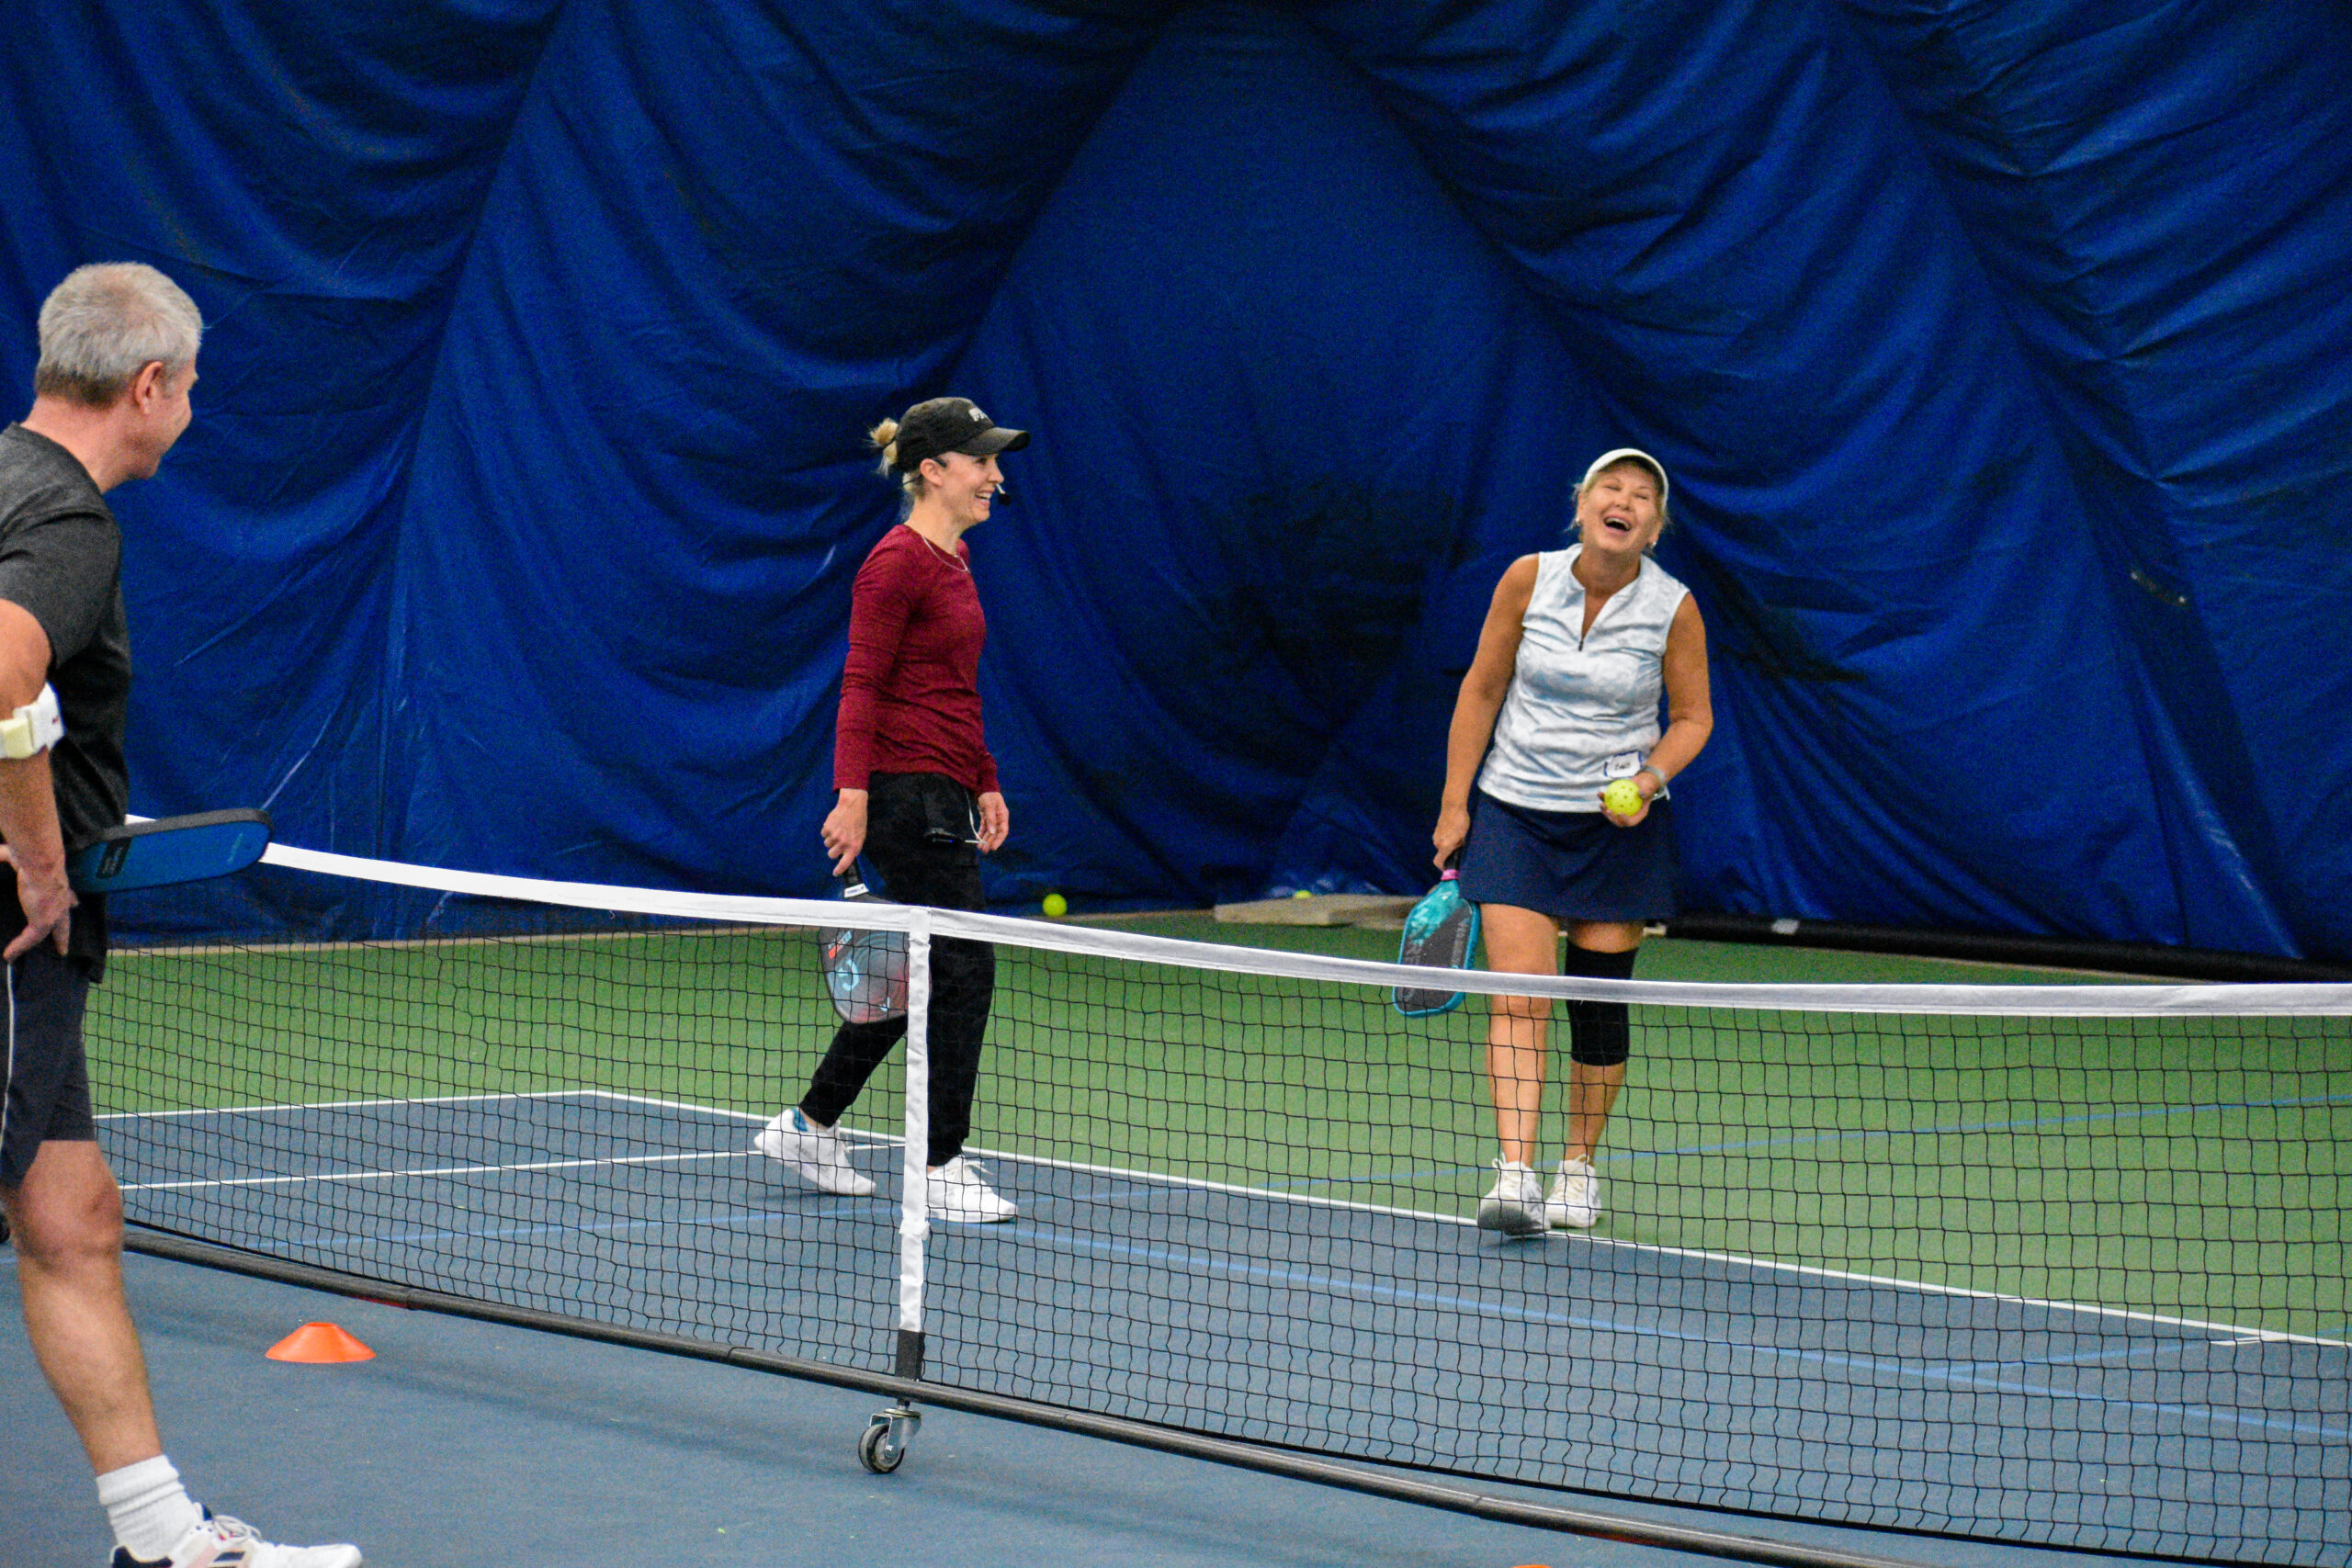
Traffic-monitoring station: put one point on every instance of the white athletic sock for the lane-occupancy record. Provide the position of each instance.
(149, 1508)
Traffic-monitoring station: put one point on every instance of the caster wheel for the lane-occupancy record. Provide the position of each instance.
(879, 1451)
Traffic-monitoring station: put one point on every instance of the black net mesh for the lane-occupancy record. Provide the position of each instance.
(2069, 1278)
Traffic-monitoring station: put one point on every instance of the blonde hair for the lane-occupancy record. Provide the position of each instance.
(105, 323)
(885, 437)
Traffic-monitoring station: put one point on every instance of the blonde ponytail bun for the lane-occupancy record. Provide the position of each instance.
(885, 437)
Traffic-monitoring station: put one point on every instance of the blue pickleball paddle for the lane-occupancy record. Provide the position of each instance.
(169, 850)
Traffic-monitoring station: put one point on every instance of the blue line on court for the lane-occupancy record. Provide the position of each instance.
(2134, 1350)
(1471, 1304)
(2141, 1347)
(1635, 1156)
(2143, 1113)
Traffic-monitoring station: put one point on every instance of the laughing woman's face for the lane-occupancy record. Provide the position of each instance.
(1619, 511)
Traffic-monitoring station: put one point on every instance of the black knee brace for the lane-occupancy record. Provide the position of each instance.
(1600, 1033)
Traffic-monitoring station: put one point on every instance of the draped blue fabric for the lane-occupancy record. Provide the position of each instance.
(1999, 352)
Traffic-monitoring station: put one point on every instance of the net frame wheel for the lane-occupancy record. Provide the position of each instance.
(882, 1446)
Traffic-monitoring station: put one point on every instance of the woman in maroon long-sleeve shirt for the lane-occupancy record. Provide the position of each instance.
(918, 792)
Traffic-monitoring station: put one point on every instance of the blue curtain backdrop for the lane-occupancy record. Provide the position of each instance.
(2001, 352)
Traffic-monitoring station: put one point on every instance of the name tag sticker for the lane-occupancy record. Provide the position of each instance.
(1623, 765)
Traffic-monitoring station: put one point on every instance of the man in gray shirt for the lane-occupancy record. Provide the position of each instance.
(117, 358)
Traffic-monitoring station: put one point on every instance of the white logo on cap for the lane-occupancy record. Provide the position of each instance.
(977, 417)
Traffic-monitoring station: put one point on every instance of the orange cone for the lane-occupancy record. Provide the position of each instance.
(320, 1342)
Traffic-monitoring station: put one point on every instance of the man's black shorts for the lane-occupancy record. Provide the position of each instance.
(47, 1081)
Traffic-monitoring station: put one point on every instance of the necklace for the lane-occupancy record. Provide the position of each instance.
(950, 556)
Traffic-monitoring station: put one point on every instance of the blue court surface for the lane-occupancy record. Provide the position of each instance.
(1375, 1332)
(470, 1445)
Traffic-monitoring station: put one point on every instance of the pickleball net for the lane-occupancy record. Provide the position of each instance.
(2051, 1265)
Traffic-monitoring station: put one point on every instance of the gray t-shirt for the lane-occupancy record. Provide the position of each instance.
(61, 559)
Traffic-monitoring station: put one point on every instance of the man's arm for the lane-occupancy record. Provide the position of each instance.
(28, 800)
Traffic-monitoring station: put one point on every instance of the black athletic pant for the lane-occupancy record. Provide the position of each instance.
(923, 838)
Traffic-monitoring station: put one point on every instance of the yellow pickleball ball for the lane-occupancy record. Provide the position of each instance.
(1622, 798)
(1301, 892)
(1056, 905)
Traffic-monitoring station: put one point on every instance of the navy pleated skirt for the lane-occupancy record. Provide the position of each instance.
(1572, 865)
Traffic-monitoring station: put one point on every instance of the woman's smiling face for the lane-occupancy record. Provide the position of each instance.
(964, 485)
(1619, 510)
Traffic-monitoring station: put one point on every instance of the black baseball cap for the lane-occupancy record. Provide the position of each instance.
(951, 425)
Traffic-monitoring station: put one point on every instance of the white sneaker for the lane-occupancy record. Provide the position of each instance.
(1514, 1205)
(960, 1195)
(1573, 1202)
(223, 1542)
(813, 1154)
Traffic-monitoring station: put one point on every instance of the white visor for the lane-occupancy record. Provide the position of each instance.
(1618, 454)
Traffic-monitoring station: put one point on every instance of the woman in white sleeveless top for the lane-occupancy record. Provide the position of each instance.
(1561, 700)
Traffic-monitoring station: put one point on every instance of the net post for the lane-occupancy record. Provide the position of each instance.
(914, 1207)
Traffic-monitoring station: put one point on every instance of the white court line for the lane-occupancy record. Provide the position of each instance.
(351, 1104)
(438, 1170)
(2224, 1332)
(460, 1099)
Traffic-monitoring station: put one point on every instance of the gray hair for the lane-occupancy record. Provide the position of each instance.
(105, 323)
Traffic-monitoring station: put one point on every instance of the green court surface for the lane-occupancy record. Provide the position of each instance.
(2177, 1168)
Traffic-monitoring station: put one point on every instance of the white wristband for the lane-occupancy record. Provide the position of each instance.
(32, 728)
